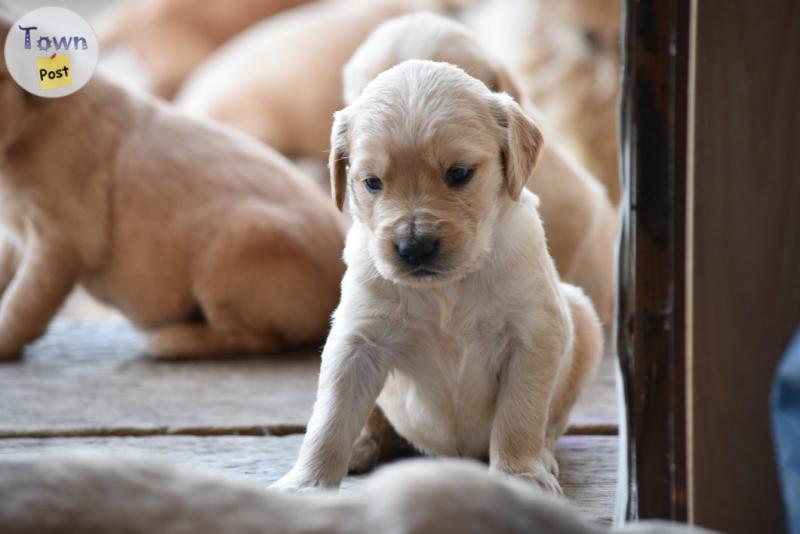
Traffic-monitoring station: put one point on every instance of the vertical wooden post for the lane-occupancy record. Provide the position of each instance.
(744, 283)
(652, 254)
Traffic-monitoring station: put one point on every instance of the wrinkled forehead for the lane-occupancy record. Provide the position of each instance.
(441, 129)
(439, 132)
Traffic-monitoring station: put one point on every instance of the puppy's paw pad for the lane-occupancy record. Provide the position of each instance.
(365, 455)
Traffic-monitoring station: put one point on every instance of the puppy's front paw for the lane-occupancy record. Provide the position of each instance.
(293, 481)
(544, 478)
(550, 463)
(365, 455)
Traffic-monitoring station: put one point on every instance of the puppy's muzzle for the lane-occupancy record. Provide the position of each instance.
(418, 251)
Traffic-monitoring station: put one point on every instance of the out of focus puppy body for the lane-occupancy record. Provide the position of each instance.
(205, 239)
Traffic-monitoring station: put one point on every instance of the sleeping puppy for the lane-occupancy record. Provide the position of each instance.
(208, 241)
(170, 37)
(578, 218)
(91, 493)
(280, 81)
(452, 314)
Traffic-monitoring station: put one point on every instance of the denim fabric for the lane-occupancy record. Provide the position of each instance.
(786, 427)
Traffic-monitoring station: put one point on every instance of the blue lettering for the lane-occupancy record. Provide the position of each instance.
(46, 45)
(62, 42)
(28, 35)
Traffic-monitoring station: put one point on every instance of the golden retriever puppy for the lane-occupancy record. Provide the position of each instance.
(579, 220)
(452, 314)
(207, 240)
(280, 81)
(95, 493)
(171, 37)
(567, 55)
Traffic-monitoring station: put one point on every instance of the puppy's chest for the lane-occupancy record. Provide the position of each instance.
(442, 395)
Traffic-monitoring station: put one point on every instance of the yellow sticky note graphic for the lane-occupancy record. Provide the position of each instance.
(54, 71)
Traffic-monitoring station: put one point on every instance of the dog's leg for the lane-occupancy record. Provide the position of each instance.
(352, 374)
(517, 443)
(197, 340)
(9, 262)
(259, 288)
(46, 275)
(576, 368)
(378, 440)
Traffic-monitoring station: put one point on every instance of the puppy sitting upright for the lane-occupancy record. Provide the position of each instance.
(452, 315)
(207, 240)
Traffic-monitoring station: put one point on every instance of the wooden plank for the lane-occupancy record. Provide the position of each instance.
(588, 464)
(90, 378)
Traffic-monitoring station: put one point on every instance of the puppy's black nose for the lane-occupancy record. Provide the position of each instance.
(418, 250)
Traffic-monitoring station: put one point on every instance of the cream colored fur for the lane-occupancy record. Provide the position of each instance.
(579, 220)
(567, 56)
(485, 356)
(280, 81)
(170, 38)
(208, 241)
(91, 493)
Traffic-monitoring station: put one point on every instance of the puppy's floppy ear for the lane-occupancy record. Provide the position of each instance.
(521, 142)
(338, 159)
(504, 82)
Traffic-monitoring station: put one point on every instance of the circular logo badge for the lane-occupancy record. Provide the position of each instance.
(51, 52)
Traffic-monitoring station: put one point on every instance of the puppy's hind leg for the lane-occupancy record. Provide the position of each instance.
(201, 340)
(577, 367)
(260, 289)
(378, 441)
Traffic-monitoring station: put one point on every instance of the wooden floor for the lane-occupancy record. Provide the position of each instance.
(86, 384)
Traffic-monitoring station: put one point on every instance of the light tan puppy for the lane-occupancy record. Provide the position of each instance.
(452, 314)
(91, 493)
(205, 239)
(280, 81)
(171, 37)
(578, 218)
(566, 53)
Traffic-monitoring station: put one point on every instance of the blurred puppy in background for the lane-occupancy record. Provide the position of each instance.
(452, 314)
(171, 37)
(579, 221)
(566, 53)
(280, 81)
(90, 493)
(207, 240)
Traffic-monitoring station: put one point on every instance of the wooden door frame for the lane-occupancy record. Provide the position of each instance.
(652, 255)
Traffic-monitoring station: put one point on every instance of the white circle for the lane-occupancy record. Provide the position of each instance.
(55, 56)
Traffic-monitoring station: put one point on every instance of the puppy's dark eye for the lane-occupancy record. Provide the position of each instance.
(373, 184)
(458, 176)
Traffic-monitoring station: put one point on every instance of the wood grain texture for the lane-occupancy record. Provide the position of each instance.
(746, 296)
(650, 322)
(588, 464)
(90, 378)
